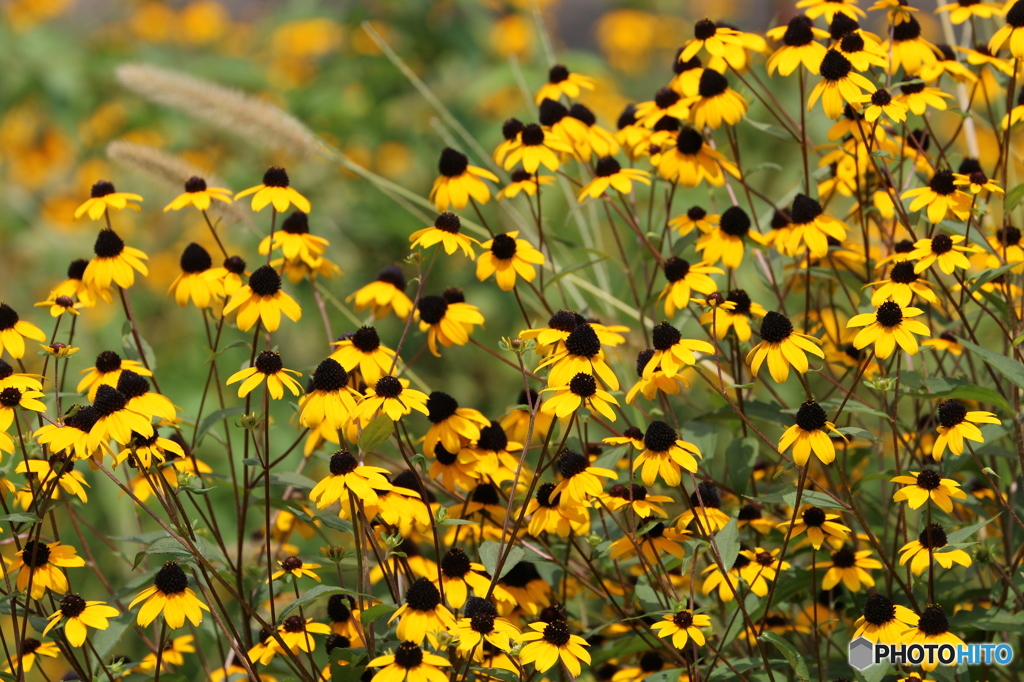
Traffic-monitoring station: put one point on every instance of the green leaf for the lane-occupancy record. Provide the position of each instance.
(964, 534)
(293, 479)
(334, 522)
(131, 350)
(966, 392)
(376, 432)
(313, 594)
(793, 657)
(20, 517)
(1008, 367)
(355, 660)
(728, 541)
(768, 128)
(489, 557)
(214, 417)
(106, 640)
(854, 432)
(375, 613)
(740, 456)
(671, 675)
(1014, 196)
(457, 522)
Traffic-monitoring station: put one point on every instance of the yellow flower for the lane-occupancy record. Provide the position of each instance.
(384, 294)
(927, 484)
(535, 147)
(1010, 33)
(667, 104)
(107, 372)
(297, 568)
(715, 102)
(782, 347)
(725, 243)
(550, 642)
(114, 262)
(960, 12)
(839, 85)
(809, 434)
(883, 103)
(932, 631)
(581, 391)
(362, 349)
(608, 173)
(295, 241)
(422, 613)
(799, 46)
(561, 81)
(458, 181)
(884, 622)
(977, 181)
(506, 256)
(171, 596)
(945, 341)
(392, 396)
(104, 197)
(927, 549)
(74, 287)
(409, 663)
(481, 626)
(196, 281)
(917, 98)
(718, 41)
(956, 423)
(902, 285)
(41, 564)
(524, 182)
(735, 312)
(268, 367)
(447, 319)
(275, 190)
(887, 327)
(446, 231)
(849, 568)
(818, 524)
(909, 49)
(682, 626)
(830, 8)
(199, 195)
(80, 614)
(332, 400)
(346, 475)
(547, 514)
(262, 299)
(30, 649)
(665, 454)
(690, 160)
(58, 306)
(14, 331)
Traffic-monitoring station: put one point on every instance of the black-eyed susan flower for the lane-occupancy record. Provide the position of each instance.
(706, 508)
(630, 134)
(685, 80)
(77, 615)
(918, 98)
(635, 497)
(751, 515)
(862, 51)
(262, 299)
(459, 575)
(582, 354)
(275, 189)
(41, 563)
(810, 434)
(103, 197)
(588, 139)
(409, 663)
(58, 306)
(171, 596)
(682, 626)
(690, 160)
(932, 630)
(725, 243)
(799, 46)
(665, 455)
(146, 450)
(1006, 243)
(830, 8)
(230, 274)
(527, 183)
(422, 613)
(268, 367)
(653, 542)
(447, 319)
(695, 217)
(684, 278)
(525, 589)
(505, 256)
(651, 383)
(734, 312)
(447, 231)
(810, 226)
(764, 565)
(71, 436)
(106, 372)
(909, 50)
(392, 396)
(608, 173)
(819, 526)
(1011, 33)
(195, 281)
(956, 424)
(14, 331)
(942, 249)
(672, 352)
(536, 147)
(667, 104)
(977, 182)
(781, 346)
(581, 391)
(883, 621)
(57, 470)
(332, 400)
(75, 287)
(896, 11)
(451, 425)
(346, 474)
(297, 634)
(510, 130)
(344, 618)
(31, 649)
(962, 11)
(944, 342)
(715, 102)
(726, 582)
(882, 102)
(113, 263)
(296, 568)
(199, 195)
(888, 326)
(492, 452)
(550, 642)
(921, 486)
(482, 624)
(548, 515)
(457, 469)
(116, 421)
(719, 41)
(580, 480)
(849, 567)
(561, 81)
(384, 294)
(295, 241)
(363, 350)
(839, 85)
(903, 284)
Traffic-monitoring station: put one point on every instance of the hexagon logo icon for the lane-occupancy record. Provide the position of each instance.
(860, 654)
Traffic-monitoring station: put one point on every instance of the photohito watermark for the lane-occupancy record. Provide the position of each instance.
(863, 653)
